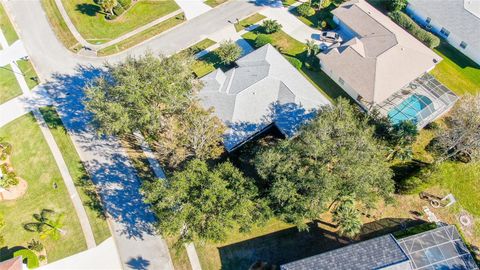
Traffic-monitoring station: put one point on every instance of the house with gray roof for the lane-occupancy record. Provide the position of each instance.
(261, 91)
(379, 65)
(457, 21)
(440, 248)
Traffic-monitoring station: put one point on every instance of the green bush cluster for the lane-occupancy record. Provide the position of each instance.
(262, 39)
(413, 28)
(29, 256)
(9, 178)
(305, 10)
(271, 26)
(118, 10)
(35, 245)
(125, 3)
(294, 61)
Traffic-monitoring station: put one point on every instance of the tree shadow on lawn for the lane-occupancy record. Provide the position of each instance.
(7, 253)
(456, 56)
(290, 245)
(88, 9)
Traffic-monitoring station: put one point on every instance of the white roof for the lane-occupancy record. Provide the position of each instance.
(263, 89)
(382, 58)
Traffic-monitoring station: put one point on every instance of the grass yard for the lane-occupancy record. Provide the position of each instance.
(9, 87)
(248, 21)
(90, 21)
(206, 64)
(7, 27)
(83, 182)
(33, 161)
(291, 47)
(59, 26)
(287, 3)
(456, 71)
(199, 46)
(28, 72)
(214, 3)
(319, 15)
(142, 36)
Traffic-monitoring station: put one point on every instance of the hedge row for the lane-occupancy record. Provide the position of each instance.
(413, 28)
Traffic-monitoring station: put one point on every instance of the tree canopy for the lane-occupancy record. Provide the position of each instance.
(203, 203)
(228, 52)
(335, 155)
(461, 137)
(158, 97)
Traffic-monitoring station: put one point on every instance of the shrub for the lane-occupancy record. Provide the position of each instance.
(42, 258)
(110, 16)
(323, 24)
(35, 245)
(305, 10)
(9, 179)
(125, 3)
(29, 256)
(325, 3)
(262, 40)
(228, 51)
(396, 5)
(294, 61)
(118, 10)
(413, 28)
(271, 26)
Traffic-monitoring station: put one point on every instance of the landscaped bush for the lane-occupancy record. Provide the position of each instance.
(323, 24)
(413, 28)
(262, 40)
(125, 3)
(271, 26)
(35, 245)
(29, 256)
(294, 61)
(305, 10)
(9, 178)
(118, 10)
(396, 5)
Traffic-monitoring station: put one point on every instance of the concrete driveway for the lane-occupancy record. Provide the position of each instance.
(193, 8)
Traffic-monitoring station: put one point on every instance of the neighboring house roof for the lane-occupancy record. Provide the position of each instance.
(12, 264)
(263, 89)
(460, 17)
(377, 253)
(441, 248)
(381, 59)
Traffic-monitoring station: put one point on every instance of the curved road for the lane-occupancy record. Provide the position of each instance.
(65, 74)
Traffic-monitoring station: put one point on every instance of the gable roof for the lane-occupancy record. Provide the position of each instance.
(15, 263)
(377, 253)
(381, 58)
(460, 17)
(263, 89)
(441, 248)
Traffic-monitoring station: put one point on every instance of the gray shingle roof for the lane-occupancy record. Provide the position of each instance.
(263, 89)
(376, 253)
(452, 15)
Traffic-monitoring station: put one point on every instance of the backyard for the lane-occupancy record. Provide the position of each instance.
(457, 71)
(32, 160)
(89, 19)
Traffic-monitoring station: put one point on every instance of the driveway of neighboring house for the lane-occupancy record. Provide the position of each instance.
(193, 8)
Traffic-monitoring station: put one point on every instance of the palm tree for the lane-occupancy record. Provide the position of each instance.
(347, 219)
(47, 224)
(312, 47)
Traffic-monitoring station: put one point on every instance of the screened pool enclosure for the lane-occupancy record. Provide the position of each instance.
(421, 102)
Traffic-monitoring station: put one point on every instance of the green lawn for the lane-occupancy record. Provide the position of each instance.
(287, 3)
(317, 17)
(9, 87)
(7, 27)
(142, 36)
(59, 26)
(214, 3)
(457, 71)
(199, 46)
(291, 47)
(33, 161)
(90, 21)
(83, 182)
(248, 21)
(28, 72)
(206, 64)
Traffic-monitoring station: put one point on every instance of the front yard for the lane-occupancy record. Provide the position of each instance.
(32, 160)
(6, 27)
(9, 87)
(90, 20)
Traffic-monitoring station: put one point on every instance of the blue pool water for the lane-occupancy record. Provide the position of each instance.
(408, 109)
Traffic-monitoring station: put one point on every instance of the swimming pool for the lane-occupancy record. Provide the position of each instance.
(409, 109)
